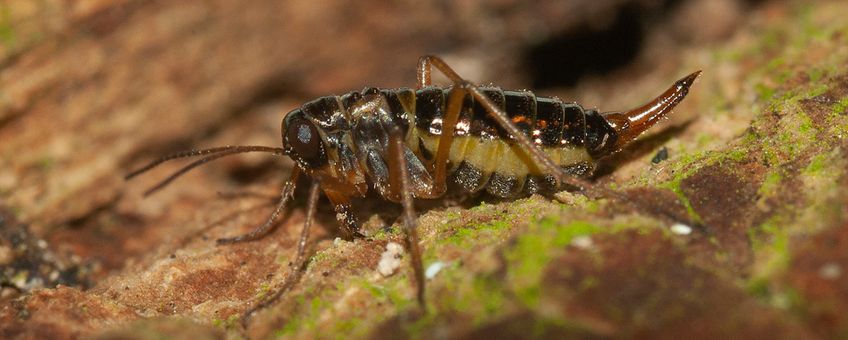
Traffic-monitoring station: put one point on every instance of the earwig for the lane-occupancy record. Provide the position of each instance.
(408, 144)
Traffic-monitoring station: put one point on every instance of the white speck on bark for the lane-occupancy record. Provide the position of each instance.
(433, 269)
(583, 242)
(830, 271)
(390, 260)
(681, 229)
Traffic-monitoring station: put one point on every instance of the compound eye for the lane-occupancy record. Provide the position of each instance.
(306, 145)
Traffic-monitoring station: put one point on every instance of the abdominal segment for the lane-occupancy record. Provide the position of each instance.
(502, 167)
(484, 156)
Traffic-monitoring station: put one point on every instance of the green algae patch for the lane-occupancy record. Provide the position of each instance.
(231, 322)
(307, 320)
(772, 250)
(528, 257)
(794, 135)
(771, 183)
(824, 195)
(7, 30)
(470, 235)
(481, 297)
(674, 186)
(841, 107)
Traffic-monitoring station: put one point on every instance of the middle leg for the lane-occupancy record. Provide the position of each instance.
(399, 173)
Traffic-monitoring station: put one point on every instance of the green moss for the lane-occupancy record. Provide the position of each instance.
(496, 227)
(736, 155)
(264, 289)
(389, 291)
(452, 215)
(674, 186)
(771, 39)
(770, 183)
(815, 74)
(230, 323)
(841, 107)
(320, 256)
(811, 29)
(817, 163)
(584, 203)
(704, 139)
(489, 294)
(686, 166)
(817, 89)
(293, 324)
(306, 319)
(7, 30)
(382, 234)
(480, 296)
(470, 235)
(795, 135)
(770, 242)
(534, 249)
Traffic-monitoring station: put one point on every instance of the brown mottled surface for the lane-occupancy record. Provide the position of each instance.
(644, 286)
(757, 157)
(62, 312)
(816, 273)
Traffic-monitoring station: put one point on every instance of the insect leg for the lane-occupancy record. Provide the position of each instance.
(264, 229)
(398, 170)
(440, 162)
(311, 207)
(453, 109)
(300, 258)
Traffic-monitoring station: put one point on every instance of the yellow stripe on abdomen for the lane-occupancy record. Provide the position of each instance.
(502, 157)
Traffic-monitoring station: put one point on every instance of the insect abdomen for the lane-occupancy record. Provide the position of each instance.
(483, 155)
